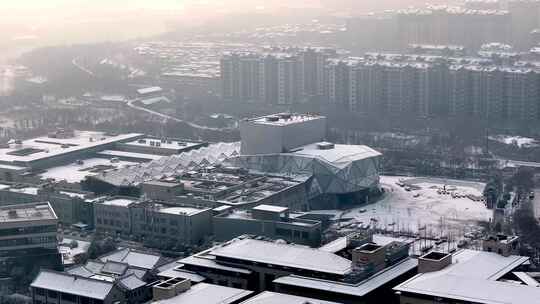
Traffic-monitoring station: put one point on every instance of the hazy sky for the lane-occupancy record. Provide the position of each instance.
(29, 23)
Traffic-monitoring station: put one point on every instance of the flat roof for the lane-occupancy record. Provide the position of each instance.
(163, 183)
(284, 255)
(339, 153)
(473, 277)
(32, 190)
(168, 144)
(75, 173)
(27, 212)
(72, 284)
(360, 289)
(268, 297)
(119, 202)
(188, 211)
(203, 260)
(285, 119)
(175, 272)
(270, 208)
(116, 153)
(149, 90)
(46, 147)
(207, 294)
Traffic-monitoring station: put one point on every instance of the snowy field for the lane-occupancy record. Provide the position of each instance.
(515, 140)
(439, 205)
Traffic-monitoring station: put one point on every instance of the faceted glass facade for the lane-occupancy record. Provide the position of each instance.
(351, 174)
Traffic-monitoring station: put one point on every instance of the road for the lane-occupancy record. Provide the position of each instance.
(82, 68)
(131, 104)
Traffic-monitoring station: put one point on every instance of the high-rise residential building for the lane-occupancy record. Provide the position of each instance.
(339, 72)
(520, 94)
(229, 67)
(396, 98)
(278, 76)
(288, 79)
(452, 25)
(365, 88)
(311, 64)
(458, 80)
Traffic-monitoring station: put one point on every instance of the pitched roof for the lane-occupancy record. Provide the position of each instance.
(72, 284)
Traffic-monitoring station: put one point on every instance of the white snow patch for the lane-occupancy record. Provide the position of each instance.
(440, 213)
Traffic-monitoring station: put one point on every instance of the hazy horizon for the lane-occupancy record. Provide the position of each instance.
(34, 23)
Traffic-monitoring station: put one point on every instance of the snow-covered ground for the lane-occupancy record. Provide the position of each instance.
(515, 140)
(441, 214)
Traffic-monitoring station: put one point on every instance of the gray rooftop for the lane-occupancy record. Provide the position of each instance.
(360, 289)
(268, 297)
(207, 294)
(473, 277)
(46, 147)
(133, 258)
(284, 255)
(284, 119)
(72, 284)
(27, 213)
(339, 153)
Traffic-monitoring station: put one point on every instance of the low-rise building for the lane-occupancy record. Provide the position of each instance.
(177, 291)
(112, 215)
(332, 275)
(184, 224)
(470, 276)
(65, 288)
(269, 297)
(27, 227)
(269, 221)
(70, 206)
(153, 220)
(28, 241)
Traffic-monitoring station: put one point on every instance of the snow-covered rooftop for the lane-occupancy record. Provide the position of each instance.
(285, 119)
(133, 258)
(339, 153)
(208, 294)
(284, 255)
(269, 297)
(163, 144)
(188, 211)
(27, 213)
(359, 289)
(119, 202)
(77, 172)
(46, 147)
(149, 90)
(131, 155)
(271, 208)
(472, 277)
(72, 284)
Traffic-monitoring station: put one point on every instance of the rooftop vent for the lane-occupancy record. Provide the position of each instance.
(434, 261)
(272, 118)
(325, 146)
(170, 288)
